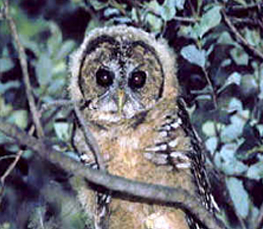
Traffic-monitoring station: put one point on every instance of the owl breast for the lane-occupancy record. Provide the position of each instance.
(123, 147)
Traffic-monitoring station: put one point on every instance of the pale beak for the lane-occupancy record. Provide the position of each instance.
(121, 100)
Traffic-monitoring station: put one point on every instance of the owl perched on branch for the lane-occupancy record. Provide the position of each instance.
(134, 110)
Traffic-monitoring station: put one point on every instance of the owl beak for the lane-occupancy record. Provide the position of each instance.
(121, 100)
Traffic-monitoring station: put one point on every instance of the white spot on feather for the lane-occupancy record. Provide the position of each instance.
(176, 124)
(162, 147)
(173, 143)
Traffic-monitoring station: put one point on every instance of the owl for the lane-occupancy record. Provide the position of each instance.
(133, 107)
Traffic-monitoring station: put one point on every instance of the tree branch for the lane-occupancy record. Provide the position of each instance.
(241, 8)
(89, 138)
(24, 67)
(240, 38)
(156, 193)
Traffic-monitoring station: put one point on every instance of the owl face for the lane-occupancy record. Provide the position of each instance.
(121, 72)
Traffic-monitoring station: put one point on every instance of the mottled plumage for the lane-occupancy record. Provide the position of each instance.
(135, 112)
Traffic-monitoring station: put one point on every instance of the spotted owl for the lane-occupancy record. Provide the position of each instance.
(133, 107)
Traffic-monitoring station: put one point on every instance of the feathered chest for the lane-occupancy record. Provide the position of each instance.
(140, 149)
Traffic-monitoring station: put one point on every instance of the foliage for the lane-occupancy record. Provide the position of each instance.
(221, 78)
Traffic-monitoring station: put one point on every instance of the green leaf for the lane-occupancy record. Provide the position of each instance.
(6, 64)
(5, 225)
(208, 21)
(234, 78)
(260, 129)
(234, 105)
(65, 49)
(122, 20)
(227, 162)
(134, 15)
(55, 40)
(5, 108)
(226, 63)
(111, 12)
(19, 117)
(98, 5)
(226, 39)
(63, 130)
(6, 86)
(239, 56)
(179, 4)
(208, 128)
(255, 171)
(187, 31)
(249, 84)
(194, 55)
(155, 22)
(30, 44)
(57, 85)
(44, 69)
(260, 96)
(92, 25)
(231, 132)
(166, 10)
(60, 68)
(239, 196)
(234, 130)
(241, 2)
(253, 37)
(211, 144)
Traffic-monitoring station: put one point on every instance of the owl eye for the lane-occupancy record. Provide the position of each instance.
(137, 79)
(104, 77)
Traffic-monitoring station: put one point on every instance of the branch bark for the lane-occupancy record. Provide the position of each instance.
(24, 67)
(240, 38)
(90, 140)
(156, 193)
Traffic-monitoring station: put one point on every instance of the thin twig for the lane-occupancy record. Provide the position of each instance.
(245, 21)
(186, 19)
(239, 37)
(158, 194)
(253, 6)
(11, 167)
(24, 67)
(90, 140)
(213, 92)
(13, 164)
(6, 157)
(176, 18)
(58, 103)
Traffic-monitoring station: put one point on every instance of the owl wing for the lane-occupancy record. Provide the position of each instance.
(180, 147)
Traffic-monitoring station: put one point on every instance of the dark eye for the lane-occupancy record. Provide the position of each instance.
(104, 77)
(137, 79)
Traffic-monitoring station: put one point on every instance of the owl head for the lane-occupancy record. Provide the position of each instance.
(122, 71)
